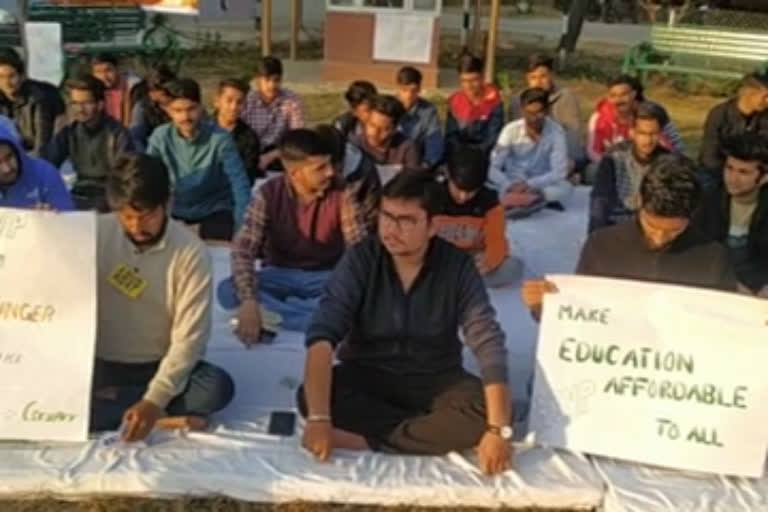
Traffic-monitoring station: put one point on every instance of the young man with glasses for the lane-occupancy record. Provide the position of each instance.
(393, 308)
(93, 142)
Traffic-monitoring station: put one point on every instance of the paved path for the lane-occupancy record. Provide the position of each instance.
(314, 17)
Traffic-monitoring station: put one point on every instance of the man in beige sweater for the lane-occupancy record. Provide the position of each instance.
(154, 314)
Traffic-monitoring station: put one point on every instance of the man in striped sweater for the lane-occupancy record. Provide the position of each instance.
(473, 219)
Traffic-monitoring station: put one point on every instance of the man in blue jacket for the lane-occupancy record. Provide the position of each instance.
(28, 182)
(211, 187)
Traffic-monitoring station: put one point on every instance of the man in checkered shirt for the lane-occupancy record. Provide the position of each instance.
(271, 110)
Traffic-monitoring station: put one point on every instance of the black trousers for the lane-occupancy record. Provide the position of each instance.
(413, 414)
(216, 226)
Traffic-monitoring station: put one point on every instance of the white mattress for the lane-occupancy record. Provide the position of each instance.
(238, 459)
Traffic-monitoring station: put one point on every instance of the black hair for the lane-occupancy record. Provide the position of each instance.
(389, 106)
(468, 168)
(754, 81)
(671, 187)
(269, 66)
(534, 95)
(183, 89)
(105, 58)
(360, 91)
(158, 76)
(631, 81)
(647, 111)
(297, 145)
(416, 185)
(86, 83)
(409, 76)
(748, 147)
(335, 140)
(139, 181)
(470, 64)
(233, 83)
(538, 60)
(10, 57)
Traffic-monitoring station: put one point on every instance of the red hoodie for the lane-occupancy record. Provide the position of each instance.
(606, 129)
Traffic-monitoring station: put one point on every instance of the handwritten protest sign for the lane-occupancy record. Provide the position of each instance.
(660, 374)
(47, 324)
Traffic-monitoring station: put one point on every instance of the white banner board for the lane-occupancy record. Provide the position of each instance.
(45, 58)
(659, 374)
(402, 37)
(47, 324)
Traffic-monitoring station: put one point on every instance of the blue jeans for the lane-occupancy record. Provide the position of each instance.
(208, 390)
(290, 292)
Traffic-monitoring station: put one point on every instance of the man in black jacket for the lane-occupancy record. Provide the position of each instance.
(394, 306)
(230, 103)
(93, 141)
(735, 211)
(746, 113)
(34, 106)
(660, 244)
(615, 195)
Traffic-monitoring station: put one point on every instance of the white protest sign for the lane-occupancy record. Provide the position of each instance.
(403, 37)
(47, 324)
(45, 58)
(660, 374)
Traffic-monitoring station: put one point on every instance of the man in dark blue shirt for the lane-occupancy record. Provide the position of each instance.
(393, 307)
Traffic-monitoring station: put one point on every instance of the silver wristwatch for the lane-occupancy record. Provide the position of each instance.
(505, 432)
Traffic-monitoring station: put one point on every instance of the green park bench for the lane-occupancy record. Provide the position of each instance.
(698, 50)
(122, 31)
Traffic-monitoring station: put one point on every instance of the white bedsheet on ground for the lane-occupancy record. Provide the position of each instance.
(238, 459)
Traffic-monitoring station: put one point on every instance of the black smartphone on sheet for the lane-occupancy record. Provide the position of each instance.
(282, 423)
(267, 336)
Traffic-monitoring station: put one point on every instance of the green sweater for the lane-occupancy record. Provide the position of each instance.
(207, 172)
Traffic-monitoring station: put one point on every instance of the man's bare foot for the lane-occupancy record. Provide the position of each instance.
(182, 423)
(349, 441)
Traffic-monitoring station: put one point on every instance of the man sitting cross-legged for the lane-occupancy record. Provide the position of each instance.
(229, 103)
(26, 181)
(92, 141)
(389, 149)
(359, 97)
(393, 307)
(616, 192)
(660, 244)
(529, 165)
(735, 210)
(473, 219)
(211, 188)
(154, 318)
(421, 121)
(298, 224)
(475, 112)
(746, 113)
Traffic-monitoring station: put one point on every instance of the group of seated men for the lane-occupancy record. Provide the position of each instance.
(377, 235)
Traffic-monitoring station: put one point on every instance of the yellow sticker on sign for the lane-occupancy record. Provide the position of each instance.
(127, 281)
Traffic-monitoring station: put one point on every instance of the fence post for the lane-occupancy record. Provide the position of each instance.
(266, 27)
(490, 51)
